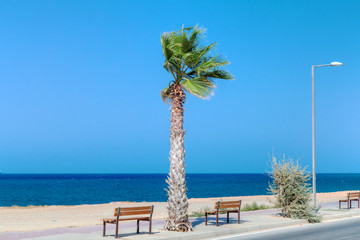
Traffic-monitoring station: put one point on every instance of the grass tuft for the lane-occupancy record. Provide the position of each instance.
(200, 213)
(247, 207)
(254, 206)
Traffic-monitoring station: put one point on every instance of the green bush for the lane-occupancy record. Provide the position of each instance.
(292, 191)
(254, 206)
(200, 213)
(247, 207)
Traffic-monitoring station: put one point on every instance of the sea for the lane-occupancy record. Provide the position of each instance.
(74, 189)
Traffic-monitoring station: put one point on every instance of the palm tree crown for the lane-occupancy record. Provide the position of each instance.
(190, 63)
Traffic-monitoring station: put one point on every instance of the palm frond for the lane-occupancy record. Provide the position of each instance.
(191, 64)
(199, 87)
(184, 29)
(211, 64)
(197, 56)
(219, 74)
(195, 36)
(165, 41)
(165, 95)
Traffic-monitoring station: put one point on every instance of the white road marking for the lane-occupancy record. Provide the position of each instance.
(305, 225)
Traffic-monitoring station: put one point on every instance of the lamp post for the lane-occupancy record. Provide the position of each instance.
(333, 64)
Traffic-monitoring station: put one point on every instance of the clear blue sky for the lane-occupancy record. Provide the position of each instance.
(80, 84)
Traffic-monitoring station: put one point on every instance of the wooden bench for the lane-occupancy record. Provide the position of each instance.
(351, 197)
(136, 213)
(224, 207)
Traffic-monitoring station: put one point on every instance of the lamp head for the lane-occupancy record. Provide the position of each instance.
(336, 64)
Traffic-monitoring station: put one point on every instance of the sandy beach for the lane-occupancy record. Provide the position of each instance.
(49, 217)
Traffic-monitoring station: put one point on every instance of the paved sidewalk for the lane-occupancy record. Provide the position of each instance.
(250, 221)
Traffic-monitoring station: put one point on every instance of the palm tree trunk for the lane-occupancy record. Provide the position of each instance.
(177, 204)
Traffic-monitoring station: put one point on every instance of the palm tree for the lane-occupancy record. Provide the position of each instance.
(194, 71)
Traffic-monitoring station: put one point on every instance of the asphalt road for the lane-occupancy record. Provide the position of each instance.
(348, 229)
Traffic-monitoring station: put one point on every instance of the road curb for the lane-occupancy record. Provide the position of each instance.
(224, 232)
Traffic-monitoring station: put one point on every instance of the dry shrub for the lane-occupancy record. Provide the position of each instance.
(292, 191)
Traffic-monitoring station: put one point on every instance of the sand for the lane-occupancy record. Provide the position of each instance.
(34, 218)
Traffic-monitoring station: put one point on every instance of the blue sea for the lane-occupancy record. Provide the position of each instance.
(73, 189)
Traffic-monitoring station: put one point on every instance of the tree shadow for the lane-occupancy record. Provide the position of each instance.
(122, 235)
(197, 221)
(212, 221)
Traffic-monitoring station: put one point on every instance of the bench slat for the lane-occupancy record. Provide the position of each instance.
(132, 211)
(133, 208)
(228, 202)
(135, 218)
(229, 206)
(113, 220)
(225, 204)
(128, 213)
(352, 195)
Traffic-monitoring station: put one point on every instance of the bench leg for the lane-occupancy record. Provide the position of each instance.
(227, 220)
(138, 226)
(348, 204)
(117, 230)
(104, 229)
(339, 205)
(217, 219)
(150, 226)
(205, 219)
(239, 217)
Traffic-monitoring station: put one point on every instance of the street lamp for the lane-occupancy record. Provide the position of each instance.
(332, 64)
